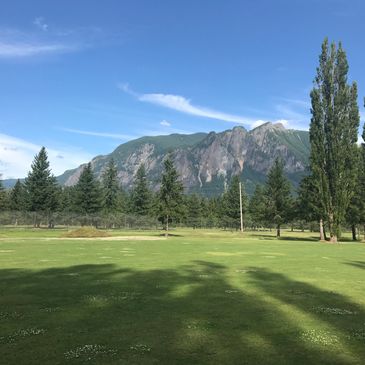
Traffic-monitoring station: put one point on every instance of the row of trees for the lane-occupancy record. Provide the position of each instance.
(332, 194)
(40, 193)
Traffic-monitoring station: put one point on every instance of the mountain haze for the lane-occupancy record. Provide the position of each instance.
(207, 161)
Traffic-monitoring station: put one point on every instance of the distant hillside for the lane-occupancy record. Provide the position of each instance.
(207, 162)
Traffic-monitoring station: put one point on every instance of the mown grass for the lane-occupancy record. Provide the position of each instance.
(198, 297)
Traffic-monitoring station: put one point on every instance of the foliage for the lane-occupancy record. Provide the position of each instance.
(110, 188)
(277, 195)
(230, 212)
(88, 194)
(333, 136)
(141, 197)
(171, 193)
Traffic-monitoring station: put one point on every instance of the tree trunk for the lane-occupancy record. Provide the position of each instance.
(321, 231)
(278, 231)
(167, 226)
(332, 229)
(353, 230)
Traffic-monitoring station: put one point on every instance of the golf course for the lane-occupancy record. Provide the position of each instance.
(196, 297)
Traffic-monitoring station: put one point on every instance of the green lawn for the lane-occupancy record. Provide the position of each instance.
(199, 297)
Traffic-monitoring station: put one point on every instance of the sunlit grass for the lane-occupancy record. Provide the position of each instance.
(198, 297)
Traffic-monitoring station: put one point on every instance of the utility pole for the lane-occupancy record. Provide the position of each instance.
(241, 213)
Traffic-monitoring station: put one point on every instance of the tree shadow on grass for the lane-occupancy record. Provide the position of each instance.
(287, 238)
(358, 264)
(189, 315)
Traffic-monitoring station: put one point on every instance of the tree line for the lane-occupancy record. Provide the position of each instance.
(330, 197)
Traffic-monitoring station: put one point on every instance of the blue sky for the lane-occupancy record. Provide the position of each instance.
(81, 77)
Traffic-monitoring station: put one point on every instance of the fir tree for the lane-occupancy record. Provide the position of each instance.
(257, 207)
(111, 188)
(41, 186)
(88, 194)
(141, 197)
(231, 203)
(194, 205)
(277, 195)
(333, 136)
(3, 196)
(17, 197)
(308, 205)
(171, 193)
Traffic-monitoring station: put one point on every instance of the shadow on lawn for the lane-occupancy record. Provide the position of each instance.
(288, 238)
(359, 264)
(191, 315)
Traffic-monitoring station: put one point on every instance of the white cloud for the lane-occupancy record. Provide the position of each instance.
(98, 134)
(18, 50)
(39, 22)
(17, 156)
(290, 117)
(165, 123)
(184, 105)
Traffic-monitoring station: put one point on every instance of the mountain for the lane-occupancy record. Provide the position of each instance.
(207, 162)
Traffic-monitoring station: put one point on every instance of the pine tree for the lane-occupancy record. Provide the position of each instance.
(17, 197)
(141, 197)
(308, 205)
(41, 187)
(3, 197)
(277, 195)
(171, 193)
(88, 194)
(257, 207)
(194, 205)
(333, 136)
(231, 203)
(111, 188)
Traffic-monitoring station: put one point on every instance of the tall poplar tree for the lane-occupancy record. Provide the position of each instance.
(171, 193)
(333, 136)
(277, 196)
(141, 197)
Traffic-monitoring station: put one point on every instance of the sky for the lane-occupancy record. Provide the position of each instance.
(81, 77)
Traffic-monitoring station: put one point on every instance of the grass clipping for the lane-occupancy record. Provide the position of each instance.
(85, 232)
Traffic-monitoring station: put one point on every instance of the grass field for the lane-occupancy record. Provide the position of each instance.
(199, 297)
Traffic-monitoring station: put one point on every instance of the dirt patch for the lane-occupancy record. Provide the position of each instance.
(132, 238)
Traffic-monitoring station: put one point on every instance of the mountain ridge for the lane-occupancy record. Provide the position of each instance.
(207, 161)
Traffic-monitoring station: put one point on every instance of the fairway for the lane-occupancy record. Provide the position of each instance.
(198, 297)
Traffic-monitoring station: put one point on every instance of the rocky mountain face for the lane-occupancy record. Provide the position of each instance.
(207, 162)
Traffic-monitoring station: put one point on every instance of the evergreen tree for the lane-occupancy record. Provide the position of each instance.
(3, 197)
(277, 195)
(141, 197)
(88, 194)
(194, 205)
(41, 186)
(111, 188)
(17, 197)
(231, 203)
(171, 193)
(333, 136)
(308, 205)
(257, 207)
